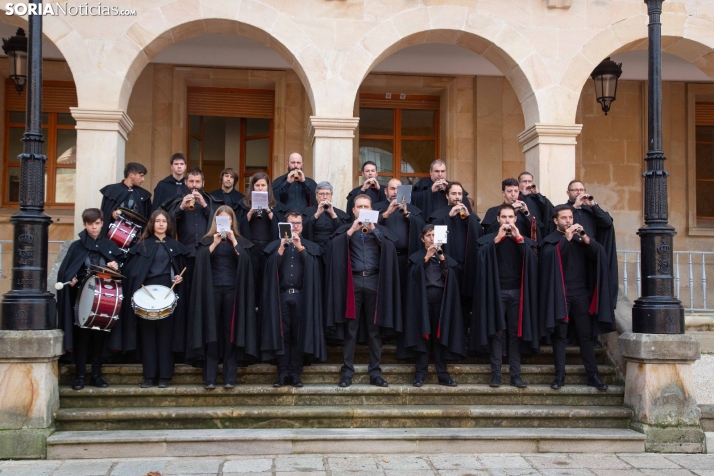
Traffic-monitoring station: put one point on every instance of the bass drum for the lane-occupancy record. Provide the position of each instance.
(98, 303)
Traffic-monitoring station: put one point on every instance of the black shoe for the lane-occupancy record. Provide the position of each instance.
(345, 382)
(517, 382)
(148, 382)
(281, 382)
(558, 382)
(209, 385)
(448, 382)
(378, 381)
(594, 381)
(418, 382)
(98, 382)
(495, 381)
(229, 385)
(78, 383)
(164, 383)
(297, 382)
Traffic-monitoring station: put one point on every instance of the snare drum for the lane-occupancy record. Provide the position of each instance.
(126, 228)
(159, 303)
(98, 303)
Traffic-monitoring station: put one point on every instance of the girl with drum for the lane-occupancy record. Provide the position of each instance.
(154, 265)
(222, 321)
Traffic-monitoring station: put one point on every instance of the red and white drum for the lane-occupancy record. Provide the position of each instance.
(126, 228)
(99, 302)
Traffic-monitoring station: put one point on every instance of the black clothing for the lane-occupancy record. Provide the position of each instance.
(434, 298)
(291, 267)
(436, 272)
(510, 300)
(576, 256)
(290, 360)
(364, 251)
(579, 320)
(224, 263)
(88, 345)
(527, 225)
(365, 302)
(223, 350)
(119, 195)
(161, 264)
(542, 210)
(295, 196)
(261, 227)
(319, 230)
(166, 190)
(510, 264)
(428, 202)
(375, 195)
(192, 225)
(232, 198)
(157, 358)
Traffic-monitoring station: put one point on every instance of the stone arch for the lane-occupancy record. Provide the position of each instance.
(687, 37)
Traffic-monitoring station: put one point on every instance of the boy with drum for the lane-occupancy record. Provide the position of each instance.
(92, 248)
(129, 196)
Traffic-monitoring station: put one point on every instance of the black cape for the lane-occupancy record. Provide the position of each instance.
(165, 190)
(417, 325)
(308, 223)
(311, 336)
(488, 315)
(113, 196)
(427, 201)
(524, 223)
(416, 224)
(552, 305)
(339, 285)
(542, 210)
(138, 262)
(71, 264)
(234, 196)
(463, 241)
(282, 182)
(201, 329)
(377, 196)
(173, 207)
(244, 225)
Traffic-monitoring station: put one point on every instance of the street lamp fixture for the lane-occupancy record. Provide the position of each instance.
(16, 50)
(605, 77)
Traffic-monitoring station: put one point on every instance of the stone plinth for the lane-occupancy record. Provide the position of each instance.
(659, 389)
(29, 393)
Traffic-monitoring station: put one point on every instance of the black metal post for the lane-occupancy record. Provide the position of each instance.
(28, 305)
(657, 311)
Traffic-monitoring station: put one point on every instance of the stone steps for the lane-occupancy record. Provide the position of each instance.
(131, 396)
(131, 374)
(345, 416)
(194, 443)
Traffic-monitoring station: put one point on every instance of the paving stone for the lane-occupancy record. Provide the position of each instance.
(693, 461)
(135, 468)
(371, 472)
(299, 464)
(566, 472)
(402, 463)
(409, 472)
(551, 461)
(513, 472)
(598, 461)
(617, 472)
(247, 474)
(29, 468)
(464, 472)
(248, 466)
(301, 473)
(509, 461)
(192, 466)
(84, 468)
(455, 462)
(703, 472)
(667, 472)
(649, 461)
(352, 463)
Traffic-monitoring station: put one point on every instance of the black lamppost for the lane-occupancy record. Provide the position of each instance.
(15, 48)
(657, 311)
(28, 305)
(605, 77)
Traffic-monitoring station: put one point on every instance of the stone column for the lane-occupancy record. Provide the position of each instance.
(332, 154)
(550, 157)
(101, 140)
(659, 389)
(29, 393)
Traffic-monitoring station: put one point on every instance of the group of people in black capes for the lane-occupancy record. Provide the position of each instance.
(528, 274)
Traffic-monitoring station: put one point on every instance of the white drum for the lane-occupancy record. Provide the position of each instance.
(159, 303)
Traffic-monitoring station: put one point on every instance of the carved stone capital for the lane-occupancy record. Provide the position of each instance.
(332, 127)
(558, 134)
(559, 3)
(102, 120)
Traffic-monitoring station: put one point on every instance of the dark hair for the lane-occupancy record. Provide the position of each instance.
(362, 196)
(254, 178)
(509, 182)
(574, 181)
(426, 229)
(149, 229)
(451, 184)
(559, 209)
(134, 168)
(176, 156)
(229, 171)
(369, 162)
(293, 213)
(195, 171)
(505, 206)
(525, 172)
(90, 215)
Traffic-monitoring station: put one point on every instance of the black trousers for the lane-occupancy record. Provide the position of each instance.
(157, 357)
(466, 301)
(510, 300)
(434, 297)
(88, 346)
(580, 319)
(290, 362)
(223, 299)
(365, 304)
(258, 260)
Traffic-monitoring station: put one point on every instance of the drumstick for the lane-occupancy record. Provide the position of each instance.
(175, 283)
(149, 292)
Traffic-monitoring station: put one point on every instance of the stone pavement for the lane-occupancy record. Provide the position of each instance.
(575, 464)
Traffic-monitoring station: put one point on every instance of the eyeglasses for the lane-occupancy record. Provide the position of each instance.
(579, 190)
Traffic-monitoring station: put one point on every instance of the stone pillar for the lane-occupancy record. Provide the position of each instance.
(332, 154)
(659, 388)
(101, 140)
(550, 157)
(29, 393)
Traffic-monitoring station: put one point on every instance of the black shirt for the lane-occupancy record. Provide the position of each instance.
(162, 261)
(399, 225)
(132, 201)
(295, 195)
(576, 256)
(590, 218)
(364, 251)
(323, 228)
(192, 225)
(436, 271)
(260, 227)
(224, 264)
(290, 268)
(510, 263)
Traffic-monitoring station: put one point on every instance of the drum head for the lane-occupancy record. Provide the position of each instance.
(85, 301)
(159, 301)
(96, 269)
(132, 216)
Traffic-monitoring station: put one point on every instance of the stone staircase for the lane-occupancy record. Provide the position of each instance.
(130, 416)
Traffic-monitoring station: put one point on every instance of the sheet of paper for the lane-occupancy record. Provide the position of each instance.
(223, 223)
(368, 216)
(285, 230)
(404, 192)
(259, 200)
(440, 232)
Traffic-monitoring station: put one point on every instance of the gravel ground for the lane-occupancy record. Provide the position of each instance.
(704, 379)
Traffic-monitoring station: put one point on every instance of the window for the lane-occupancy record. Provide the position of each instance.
(400, 135)
(704, 120)
(60, 143)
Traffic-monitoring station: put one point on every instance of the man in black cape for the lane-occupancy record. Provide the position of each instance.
(319, 222)
(127, 194)
(433, 316)
(91, 248)
(525, 221)
(362, 288)
(538, 204)
(573, 272)
(369, 187)
(429, 193)
(505, 297)
(292, 328)
(294, 189)
(172, 186)
(598, 223)
(228, 193)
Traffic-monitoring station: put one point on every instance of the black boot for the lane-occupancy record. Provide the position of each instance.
(594, 381)
(78, 383)
(558, 382)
